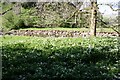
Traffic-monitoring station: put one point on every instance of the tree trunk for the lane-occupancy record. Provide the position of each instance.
(93, 18)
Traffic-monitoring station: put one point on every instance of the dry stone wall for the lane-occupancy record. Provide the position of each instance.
(58, 33)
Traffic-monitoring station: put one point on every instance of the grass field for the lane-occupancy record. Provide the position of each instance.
(34, 58)
(73, 29)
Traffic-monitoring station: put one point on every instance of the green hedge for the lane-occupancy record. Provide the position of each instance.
(61, 59)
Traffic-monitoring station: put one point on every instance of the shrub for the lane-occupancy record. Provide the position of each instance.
(12, 21)
(23, 20)
(66, 25)
(29, 19)
(28, 4)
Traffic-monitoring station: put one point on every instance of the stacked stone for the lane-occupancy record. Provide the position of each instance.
(58, 33)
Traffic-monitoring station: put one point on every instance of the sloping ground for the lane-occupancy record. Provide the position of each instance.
(35, 58)
(59, 33)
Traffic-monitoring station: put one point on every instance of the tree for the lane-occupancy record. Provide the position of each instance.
(115, 26)
(93, 21)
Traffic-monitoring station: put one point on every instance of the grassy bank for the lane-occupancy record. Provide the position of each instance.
(33, 58)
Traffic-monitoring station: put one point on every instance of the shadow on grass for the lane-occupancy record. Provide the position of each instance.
(23, 63)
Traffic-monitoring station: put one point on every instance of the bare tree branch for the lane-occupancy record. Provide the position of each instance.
(111, 6)
(115, 30)
(5, 11)
(112, 26)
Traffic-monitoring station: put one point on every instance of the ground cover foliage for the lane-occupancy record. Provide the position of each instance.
(33, 58)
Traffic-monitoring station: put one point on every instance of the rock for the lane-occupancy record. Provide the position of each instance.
(58, 33)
